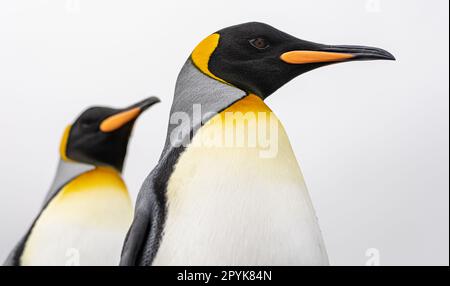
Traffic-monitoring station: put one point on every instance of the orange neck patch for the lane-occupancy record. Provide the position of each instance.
(202, 53)
(101, 178)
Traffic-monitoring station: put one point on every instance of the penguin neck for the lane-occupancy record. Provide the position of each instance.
(248, 125)
(199, 97)
(72, 169)
(67, 171)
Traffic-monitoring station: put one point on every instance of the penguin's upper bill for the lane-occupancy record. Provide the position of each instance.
(259, 59)
(100, 135)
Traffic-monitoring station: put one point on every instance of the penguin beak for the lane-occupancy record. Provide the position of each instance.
(124, 116)
(318, 53)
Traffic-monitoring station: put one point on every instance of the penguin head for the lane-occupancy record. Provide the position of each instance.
(99, 136)
(260, 59)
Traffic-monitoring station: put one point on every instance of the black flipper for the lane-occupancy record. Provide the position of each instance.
(142, 241)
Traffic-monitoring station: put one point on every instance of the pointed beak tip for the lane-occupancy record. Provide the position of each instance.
(391, 57)
(374, 54)
(385, 55)
(147, 103)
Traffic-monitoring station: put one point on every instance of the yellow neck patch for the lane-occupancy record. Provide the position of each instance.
(63, 146)
(202, 53)
(101, 178)
(241, 113)
(250, 103)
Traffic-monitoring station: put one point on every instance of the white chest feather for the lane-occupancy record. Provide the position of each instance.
(232, 206)
(85, 224)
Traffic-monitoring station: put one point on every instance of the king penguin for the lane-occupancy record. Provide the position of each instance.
(87, 211)
(233, 204)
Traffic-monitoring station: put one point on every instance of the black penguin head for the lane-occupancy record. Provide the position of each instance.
(100, 135)
(259, 59)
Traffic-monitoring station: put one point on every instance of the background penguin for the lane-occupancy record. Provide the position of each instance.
(230, 206)
(87, 211)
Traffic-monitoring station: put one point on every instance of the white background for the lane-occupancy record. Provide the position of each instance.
(371, 137)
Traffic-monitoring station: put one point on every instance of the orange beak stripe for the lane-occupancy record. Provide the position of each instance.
(308, 57)
(116, 121)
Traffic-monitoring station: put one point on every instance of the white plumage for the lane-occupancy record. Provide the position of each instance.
(229, 206)
(84, 224)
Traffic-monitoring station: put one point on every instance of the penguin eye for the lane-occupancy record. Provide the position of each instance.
(259, 43)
